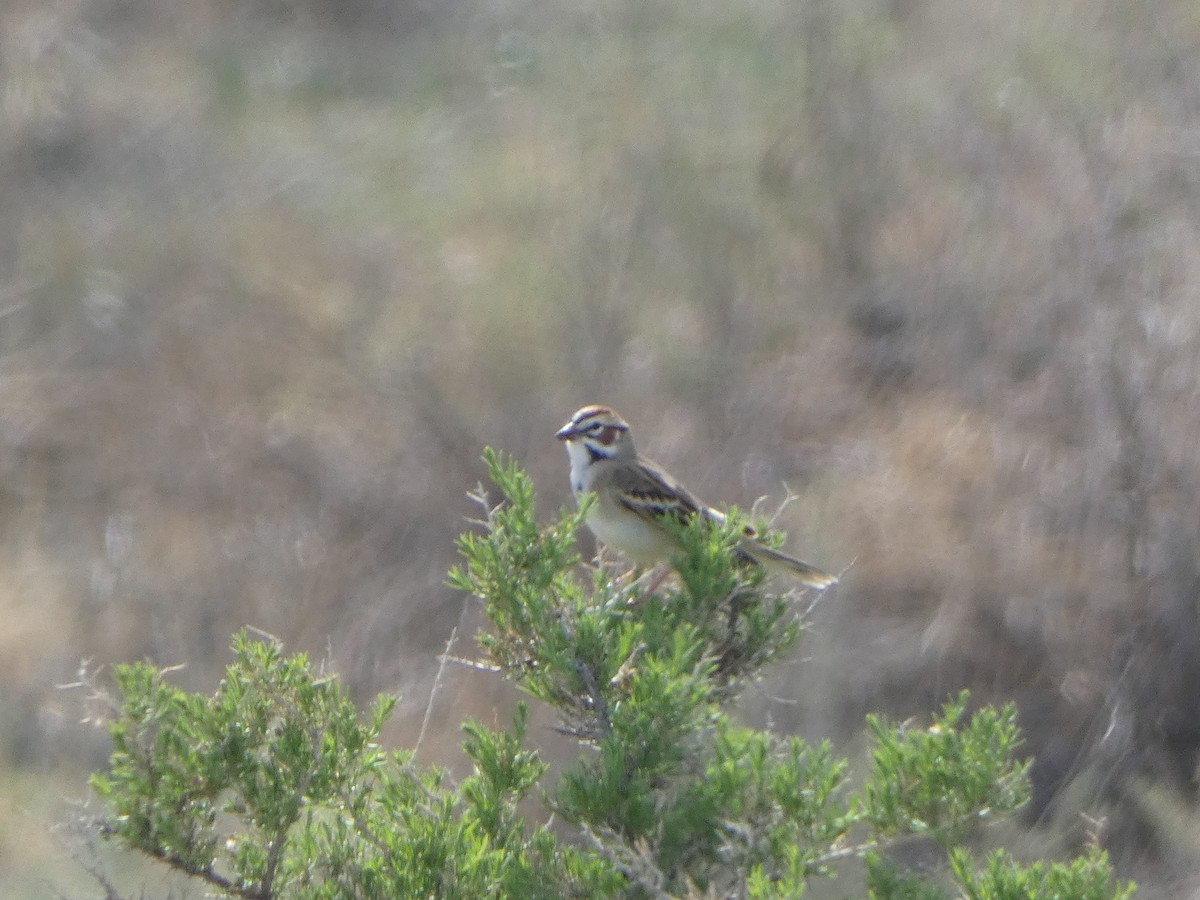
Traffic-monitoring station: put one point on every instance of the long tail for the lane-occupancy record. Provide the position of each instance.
(780, 562)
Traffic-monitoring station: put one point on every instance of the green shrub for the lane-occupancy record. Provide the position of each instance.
(277, 786)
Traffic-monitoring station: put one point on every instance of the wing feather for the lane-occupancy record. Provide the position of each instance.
(653, 494)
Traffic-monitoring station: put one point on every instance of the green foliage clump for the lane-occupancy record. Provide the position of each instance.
(276, 786)
(273, 787)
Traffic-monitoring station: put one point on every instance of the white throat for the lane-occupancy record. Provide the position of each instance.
(581, 460)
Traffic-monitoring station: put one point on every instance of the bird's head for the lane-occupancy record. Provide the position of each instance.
(597, 431)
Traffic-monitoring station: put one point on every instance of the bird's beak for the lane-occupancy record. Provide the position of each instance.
(566, 432)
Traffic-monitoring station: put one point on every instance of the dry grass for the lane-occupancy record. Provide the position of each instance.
(274, 273)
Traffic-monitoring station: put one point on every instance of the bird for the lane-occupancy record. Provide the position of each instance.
(635, 497)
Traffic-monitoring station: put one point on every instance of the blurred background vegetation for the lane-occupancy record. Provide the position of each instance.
(272, 273)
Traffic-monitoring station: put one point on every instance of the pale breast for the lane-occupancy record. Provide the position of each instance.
(634, 538)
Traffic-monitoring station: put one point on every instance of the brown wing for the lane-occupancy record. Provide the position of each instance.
(652, 493)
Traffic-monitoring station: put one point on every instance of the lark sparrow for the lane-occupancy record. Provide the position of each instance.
(634, 496)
